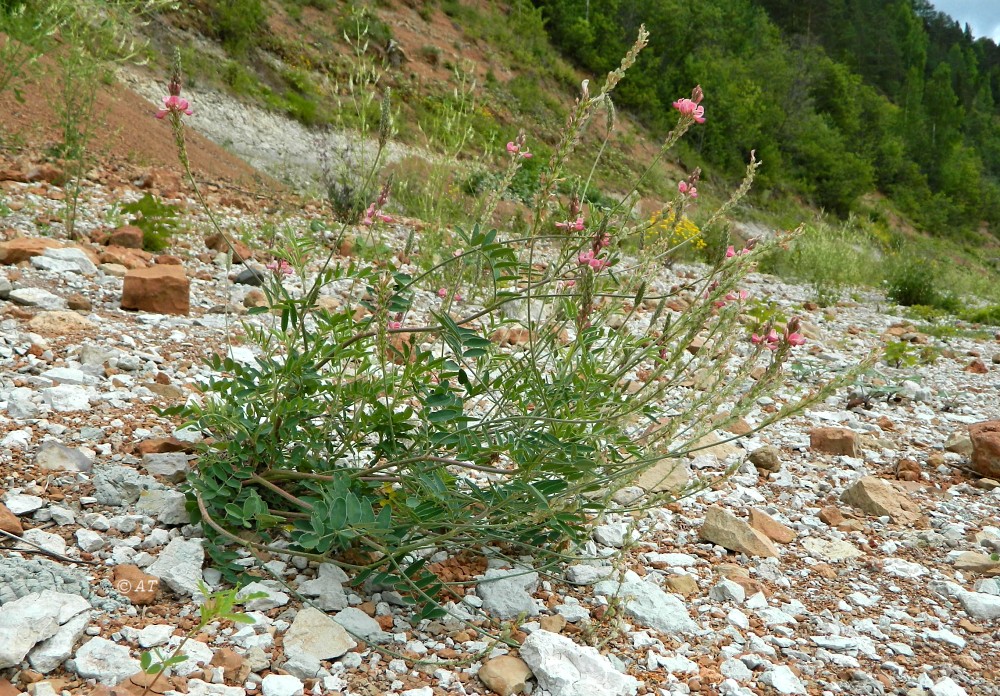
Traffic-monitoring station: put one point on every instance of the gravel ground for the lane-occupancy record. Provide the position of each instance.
(889, 591)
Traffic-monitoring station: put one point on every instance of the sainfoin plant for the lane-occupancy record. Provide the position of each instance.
(494, 402)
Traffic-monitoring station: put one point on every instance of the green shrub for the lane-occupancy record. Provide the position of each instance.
(238, 24)
(381, 432)
(157, 220)
(982, 315)
(916, 281)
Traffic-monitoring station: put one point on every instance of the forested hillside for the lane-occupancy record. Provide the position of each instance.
(840, 98)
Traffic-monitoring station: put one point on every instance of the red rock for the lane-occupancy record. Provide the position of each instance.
(160, 289)
(9, 521)
(141, 588)
(128, 236)
(834, 441)
(985, 438)
(21, 249)
(123, 256)
(169, 260)
(162, 445)
(217, 242)
(46, 172)
(235, 668)
(977, 367)
(8, 689)
(770, 527)
(831, 515)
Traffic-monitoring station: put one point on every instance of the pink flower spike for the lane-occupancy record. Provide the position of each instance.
(585, 257)
(795, 339)
(512, 148)
(174, 104)
(442, 293)
(686, 107)
(730, 252)
(282, 267)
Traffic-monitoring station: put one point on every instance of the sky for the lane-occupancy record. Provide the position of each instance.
(982, 15)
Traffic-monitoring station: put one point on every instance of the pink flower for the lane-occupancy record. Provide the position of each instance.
(795, 339)
(730, 252)
(373, 214)
(687, 189)
(174, 104)
(576, 226)
(771, 340)
(604, 241)
(393, 325)
(282, 267)
(457, 297)
(515, 149)
(689, 108)
(589, 258)
(442, 293)
(741, 295)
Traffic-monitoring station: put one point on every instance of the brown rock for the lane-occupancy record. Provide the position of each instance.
(9, 521)
(682, 584)
(771, 528)
(255, 298)
(122, 256)
(160, 289)
(217, 242)
(141, 588)
(749, 585)
(235, 667)
(831, 515)
(767, 458)
(45, 171)
(824, 570)
(127, 236)
(167, 391)
(976, 562)
(22, 248)
(79, 303)
(553, 623)
(725, 529)
(977, 367)
(985, 439)
(877, 497)
(840, 441)
(739, 427)
(505, 675)
(60, 323)
(665, 475)
(731, 571)
(970, 627)
(169, 260)
(712, 445)
(163, 445)
(987, 484)
(8, 689)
